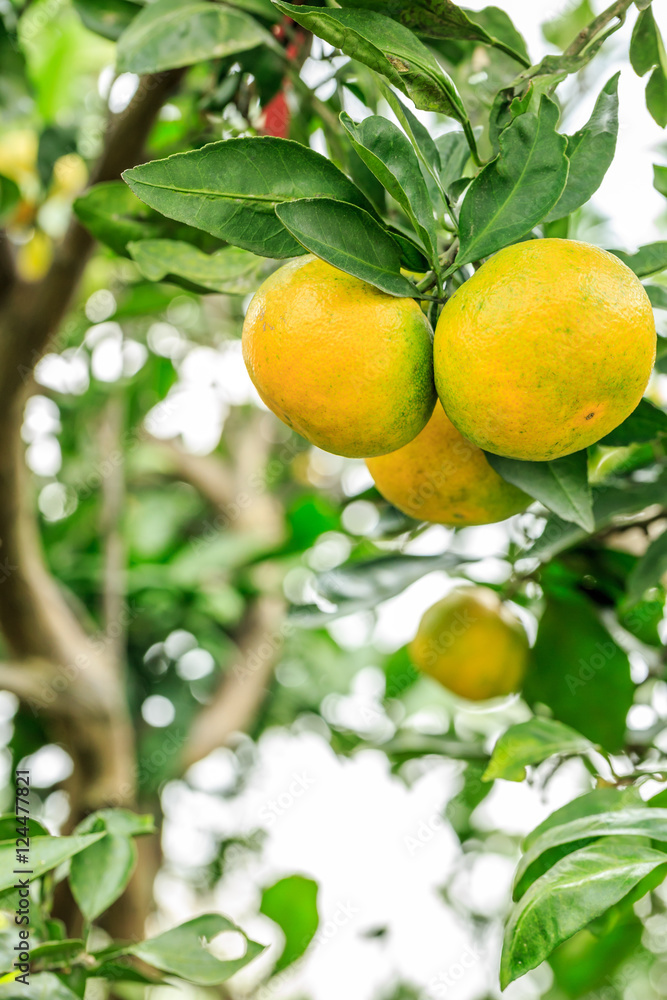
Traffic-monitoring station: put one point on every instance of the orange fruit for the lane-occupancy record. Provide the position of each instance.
(546, 349)
(441, 477)
(472, 644)
(347, 366)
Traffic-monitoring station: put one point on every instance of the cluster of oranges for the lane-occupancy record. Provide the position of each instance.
(546, 349)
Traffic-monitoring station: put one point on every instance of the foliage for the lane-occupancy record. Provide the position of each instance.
(230, 185)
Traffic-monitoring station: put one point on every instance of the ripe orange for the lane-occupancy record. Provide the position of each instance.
(347, 366)
(472, 644)
(546, 349)
(441, 477)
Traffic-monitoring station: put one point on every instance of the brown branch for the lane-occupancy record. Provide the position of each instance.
(7, 266)
(34, 310)
(244, 685)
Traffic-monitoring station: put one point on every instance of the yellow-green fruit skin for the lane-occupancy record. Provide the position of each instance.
(443, 478)
(547, 348)
(347, 366)
(472, 644)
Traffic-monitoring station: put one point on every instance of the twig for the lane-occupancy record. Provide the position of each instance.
(588, 34)
(113, 499)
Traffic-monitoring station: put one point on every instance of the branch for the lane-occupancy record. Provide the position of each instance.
(617, 10)
(7, 266)
(34, 311)
(243, 687)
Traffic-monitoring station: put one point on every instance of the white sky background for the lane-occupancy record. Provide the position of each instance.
(354, 827)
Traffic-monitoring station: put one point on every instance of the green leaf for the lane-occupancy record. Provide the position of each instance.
(108, 18)
(609, 502)
(444, 19)
(646, 423)
(229, 271)
(657, 295)
(646, 47)
(628, 822)
(57, 953)
(649, 569)
(561, 485)
(115, 217)
(579, 672)
(590, 152)
(599, 800)
(292, 904)
(186, 950)
(170, 33)
(518, 188)
(649, 259)
(120, 822)
(656, 96)
(454, 157)
(660, 179)
(363, 584)
(99, 875)
(530, 743)
(387, 152)
(10, 196)
(420, 138)
(45, 853)
(9, 824)
(577, 889)
(44, 986)
(348, 238)
(389, 49)
(231, 189)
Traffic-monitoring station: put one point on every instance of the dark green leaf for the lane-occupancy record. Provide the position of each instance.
(580, 673)
(649, 259)
(54, 141)
(387, 152)
(115, 217)
(516, 190)
(609, 501)
(231, 188)
(658, 296)
(444, 19)
(9, 825)
(389, 49)
(454, 157)
(348, 238)
(599, 800)
(660, 179)
(590, 152)
(45, 853)
(292, 904)
(656, 95)
(230, 271)
(108, 18)
(561, 485)
(10, 196)
(649, 569)
(530, 743)
(646, 423)
(629, 822)
(646, 48)
(57, 953)
(498, 24)
(577, 889)
(412, 256)
(186, 950)
(170, 33)
(99, 875)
